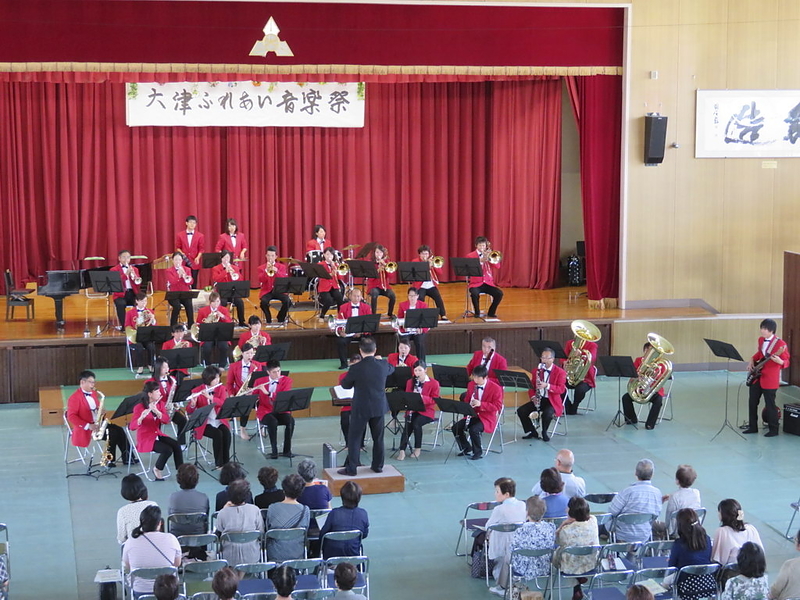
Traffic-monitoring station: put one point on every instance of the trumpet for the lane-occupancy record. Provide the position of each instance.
(184, 275)
(271, 270)
(232, 272)
(133, 275)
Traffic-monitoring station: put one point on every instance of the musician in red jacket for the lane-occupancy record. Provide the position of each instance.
(140, 316)
(656, 400)
(403, 356)
(416, 335)
(267, 273)
(239, 373)
(148, 416)
(191, 243)
(131, 280)
(382, 285)
(486, 398)
(354, 306)
(771, 356)
(217, 429)
(226, 272)
(484, 284)
(328, 289)
(232, 241)
(215, 313)
(319, 242)
(169, 387)
(429, 389)
(254, 335)
(588, 383)
(489, 358)
(176, 343)
(265, 410)
(179, 279)
(550, 383)
(430, 287)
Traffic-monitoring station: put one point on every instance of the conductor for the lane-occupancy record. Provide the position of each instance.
(367, 378)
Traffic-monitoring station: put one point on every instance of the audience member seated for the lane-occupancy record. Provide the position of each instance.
(268, 478)
(639, 592)
(230, 472)
(166, 587)
(684, 497)
(287, 514)
(345, 575)
(510, 510)
(751, 583)
(693, 547)
(225, 583)
(579, 529)
(134, 491)
(187, 500)
(733, 533)
(284, 579)
(639, 497)
(148, 548)
(553, 493)
(534, 534)
(573, 485)
(787, 585)
(346, 518)
(316, 493)
(236, 516)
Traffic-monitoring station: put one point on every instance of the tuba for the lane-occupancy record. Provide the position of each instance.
(653, 371)
(579, 360)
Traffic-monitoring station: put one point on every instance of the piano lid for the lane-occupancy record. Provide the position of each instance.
(61, 283)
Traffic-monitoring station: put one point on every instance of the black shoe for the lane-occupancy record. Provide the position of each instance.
(649, 426)
(631, 422)
(346, 472)
(273, 455)
(771, 433)
(112, 465)
(545, 437)
(378, 470)
(464, 453)
(476, 457)
(750, 431)
(342, 367)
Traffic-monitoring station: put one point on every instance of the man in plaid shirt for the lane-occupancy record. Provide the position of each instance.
(639, 497)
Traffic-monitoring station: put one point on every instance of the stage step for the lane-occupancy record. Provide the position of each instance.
(391, 480)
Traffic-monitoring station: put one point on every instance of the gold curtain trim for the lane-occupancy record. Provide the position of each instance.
(82, 67)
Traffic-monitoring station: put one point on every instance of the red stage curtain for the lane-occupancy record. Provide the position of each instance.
(597, 104)
(436, 163)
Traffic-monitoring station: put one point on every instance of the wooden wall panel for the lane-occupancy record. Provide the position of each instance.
(5, 375)
(35, 367)
(791, 313)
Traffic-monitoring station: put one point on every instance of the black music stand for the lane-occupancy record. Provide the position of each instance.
(452, 377)
(215, 332)
(728, 351)
(106, 282)
(236, 407)
(185, 389)
(538, 346)
(518, 381)
(230, 290)
(363, 268)
(421, 318)
(193, 421)
(153, 334)
(398, 378)
(619, 367)
(415, 271)
(209, 260)
(269, 352)
(290, 285)
(363, 324)
(404, 401)
(467, 267)
(181, 358)
(455, 407)
(290, 401)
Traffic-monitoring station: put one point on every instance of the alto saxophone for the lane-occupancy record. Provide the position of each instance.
(100, 420)
(171, 407)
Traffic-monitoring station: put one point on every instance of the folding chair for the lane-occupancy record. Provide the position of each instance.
(631, 519)
(310, 573)
(197, 576)
(657, 576)
(202, 596)
(195, 523)
(255, 583)
(83, 453)
(620, 556)
(147, 471)
(588, 550)
(298, 534)
(590, 398)
(146, 573)
(341, 536)
(795, 506)
(498, 428)
(655, 554)
(240, 537)
(599, 591)
(554, 427)
(664, 405)
(514, 578)
(437, 422)
(204, 540)
(361, 563)
(556, 521)
(471, 525)
(672, 518)
(316, 513)
(499, 528)
(709, 572)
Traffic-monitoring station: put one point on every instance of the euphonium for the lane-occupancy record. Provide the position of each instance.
(579, 360)
(653, 371)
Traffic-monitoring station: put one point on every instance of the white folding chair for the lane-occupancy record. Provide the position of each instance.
(498, 429)
(470, 525)
(554, 427)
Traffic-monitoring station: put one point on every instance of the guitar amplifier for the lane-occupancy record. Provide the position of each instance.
(791, 418)
(329, 456)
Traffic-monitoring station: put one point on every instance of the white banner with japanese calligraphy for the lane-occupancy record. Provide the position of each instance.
(245, 104)
(747, 124)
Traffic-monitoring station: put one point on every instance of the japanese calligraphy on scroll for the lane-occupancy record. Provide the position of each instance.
(245, 104)
(747, 123)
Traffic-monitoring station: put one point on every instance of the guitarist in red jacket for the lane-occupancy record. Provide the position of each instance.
(764, 376)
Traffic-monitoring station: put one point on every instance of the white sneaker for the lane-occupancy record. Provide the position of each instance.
(497, 590)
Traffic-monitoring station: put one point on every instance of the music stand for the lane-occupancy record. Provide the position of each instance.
(467, 267)
(106, 282)
(181, 358)
(185, 389)
(236, 407)
(209, 260)
(455, 407)
(398, 378)
(363, 324)
(452, 377)
(154, 334)
(230, 290)
(407, 401)
(517, 380)
(193, 421)
(415, 271)
(539, 346)
(290, 401)
(215, 332)
(363, 268)
(619, 367)
(728, 351)
(294, 286)
(421, 318)
(269, 352)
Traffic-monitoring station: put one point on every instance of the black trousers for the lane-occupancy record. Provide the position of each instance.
(129, 299)
(222, 353)
(414, 424)
(221, 439)
(342, 343)
(344, 423)
(117, 441)
(166, 447)
(375, 292)
(578, 394)
(180, 422)
(545, 410)
(756, 391)
(474, 430)
(495, 292)
(419, 342)
(437, 298)
(284, 310)
(142, 355)
(652, 416)
(272, 420)
(329, 299)
(239, 304)
(176, 310)
(358, 429)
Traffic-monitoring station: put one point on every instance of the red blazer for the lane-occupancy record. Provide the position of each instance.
(430, 390)
(218, 397)
(235, 380)
(435, 273)
(771, 373)
(225, 244)
(220, 275)
(206, 310)
(150, 429)
(346, 310)
(175, 283)
(491, 403)
(170, 345)
(326, 285)
(134, 286)
(373, 282)
(488, 276)
(266, 400)
(592, 348)
(394, 360)
(558, 385)
(498, 362)
(245, 337)
(79, 416)
(197, 247)
(267, 282)
(312, 245)
(404, 306)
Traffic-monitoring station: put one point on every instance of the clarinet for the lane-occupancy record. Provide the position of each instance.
(488, 357)
(469, 417)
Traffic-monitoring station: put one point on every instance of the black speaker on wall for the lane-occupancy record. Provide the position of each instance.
(655, 138)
